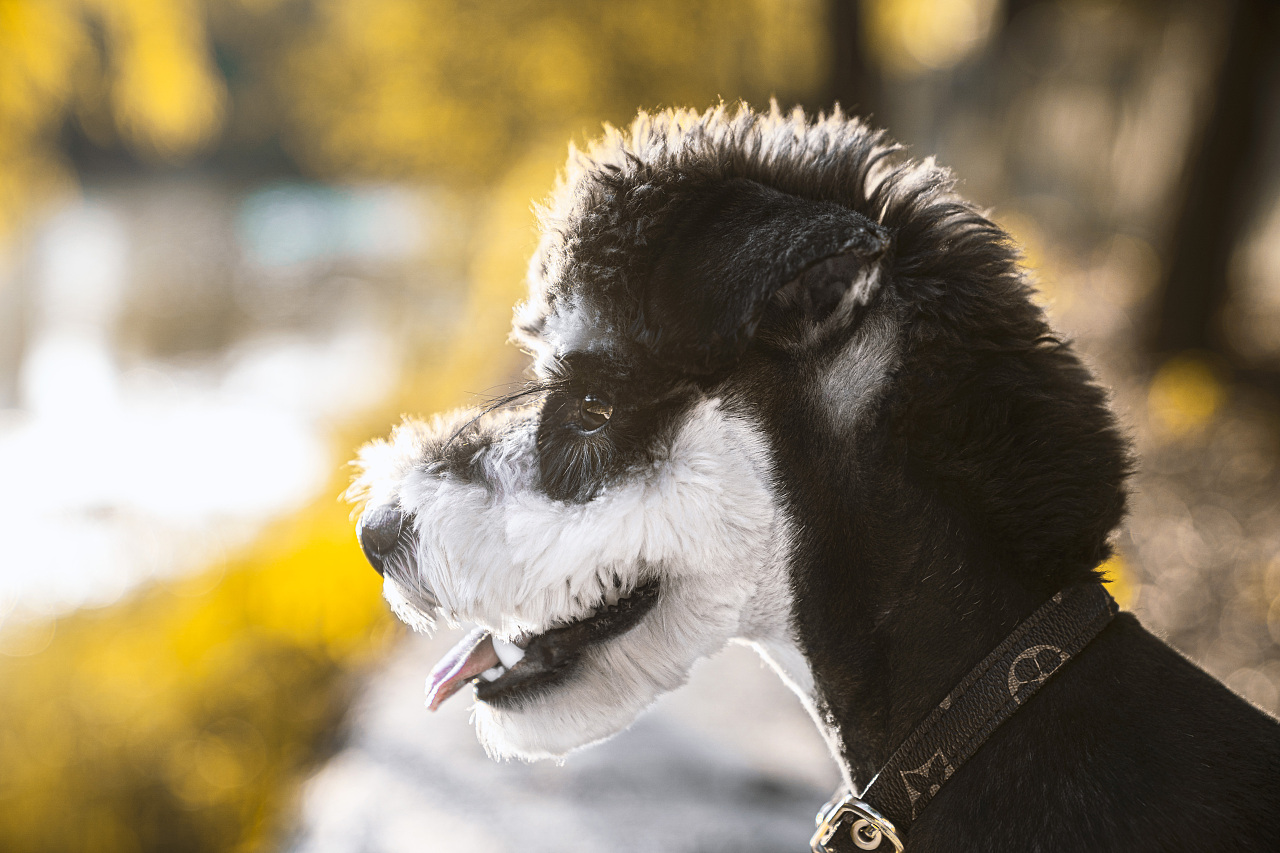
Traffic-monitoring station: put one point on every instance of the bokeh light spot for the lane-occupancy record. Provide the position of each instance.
(1184, 396)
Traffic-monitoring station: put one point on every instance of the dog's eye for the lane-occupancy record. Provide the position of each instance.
(594, 412)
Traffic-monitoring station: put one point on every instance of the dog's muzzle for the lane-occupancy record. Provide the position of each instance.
(379, 532)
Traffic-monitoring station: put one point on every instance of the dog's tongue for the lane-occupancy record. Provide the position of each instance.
(464, 662)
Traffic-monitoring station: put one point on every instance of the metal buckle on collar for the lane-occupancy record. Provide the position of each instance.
(868, 829)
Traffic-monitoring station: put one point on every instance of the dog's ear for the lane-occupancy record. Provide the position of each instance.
(728, 250)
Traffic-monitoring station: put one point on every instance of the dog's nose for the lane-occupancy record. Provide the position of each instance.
(379, 533)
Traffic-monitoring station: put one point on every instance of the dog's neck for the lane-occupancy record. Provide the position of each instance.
(867, 689)
(898, 606)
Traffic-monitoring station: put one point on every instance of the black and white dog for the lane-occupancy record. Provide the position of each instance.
(791, 390)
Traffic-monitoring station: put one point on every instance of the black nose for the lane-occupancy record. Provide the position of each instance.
(379, 533)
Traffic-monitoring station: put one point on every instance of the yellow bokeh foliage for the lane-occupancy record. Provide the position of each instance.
(166, 97)
(41, 47)
(177, 716)
(151, 59)
(400, 86)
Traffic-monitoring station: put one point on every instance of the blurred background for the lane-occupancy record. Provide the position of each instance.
(240, 237)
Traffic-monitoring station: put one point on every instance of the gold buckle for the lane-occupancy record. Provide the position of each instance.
(867, 827)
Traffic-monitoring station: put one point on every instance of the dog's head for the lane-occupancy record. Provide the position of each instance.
(769, 353)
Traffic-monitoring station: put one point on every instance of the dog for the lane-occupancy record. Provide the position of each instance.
(790, 390)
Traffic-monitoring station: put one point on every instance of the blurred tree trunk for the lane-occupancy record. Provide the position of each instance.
(854, 81)
(1221, 184)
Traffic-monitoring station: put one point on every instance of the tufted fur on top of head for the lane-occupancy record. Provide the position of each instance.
(618, 195)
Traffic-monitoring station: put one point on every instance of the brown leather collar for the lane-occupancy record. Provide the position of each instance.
(880, 816)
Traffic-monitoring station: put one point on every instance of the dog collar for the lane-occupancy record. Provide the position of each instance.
(962, 722)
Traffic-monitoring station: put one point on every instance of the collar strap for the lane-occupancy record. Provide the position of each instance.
(962, 722)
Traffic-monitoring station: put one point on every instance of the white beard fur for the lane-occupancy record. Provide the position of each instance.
(703, 518)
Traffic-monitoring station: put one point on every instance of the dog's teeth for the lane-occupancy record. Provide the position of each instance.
(493, 673)
(611, 597)
(509, 653)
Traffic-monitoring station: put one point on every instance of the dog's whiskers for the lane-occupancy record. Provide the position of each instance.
(531, 389)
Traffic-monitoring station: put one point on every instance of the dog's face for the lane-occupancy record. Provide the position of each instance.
(715, 320)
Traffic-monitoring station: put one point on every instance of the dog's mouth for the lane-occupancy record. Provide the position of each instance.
(505, 671)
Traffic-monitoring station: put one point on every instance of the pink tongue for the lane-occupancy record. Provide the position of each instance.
(464, 662)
